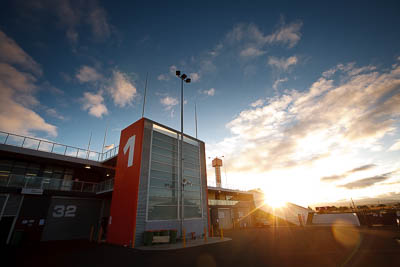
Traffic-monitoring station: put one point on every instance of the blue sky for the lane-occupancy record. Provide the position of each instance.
(291, 93)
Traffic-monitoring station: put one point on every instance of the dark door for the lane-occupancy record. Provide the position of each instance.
(32, 218)
(5, 226)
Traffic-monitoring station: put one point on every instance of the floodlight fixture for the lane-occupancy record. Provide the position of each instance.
(188, 80)
(183, 76)
(178, 73)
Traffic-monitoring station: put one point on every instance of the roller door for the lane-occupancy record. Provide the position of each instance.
(71, 218)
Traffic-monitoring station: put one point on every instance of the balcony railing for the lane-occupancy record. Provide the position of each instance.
(230, 186)
(34, 182)
(56, 148)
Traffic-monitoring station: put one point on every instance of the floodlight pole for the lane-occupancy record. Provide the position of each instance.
(183, 78)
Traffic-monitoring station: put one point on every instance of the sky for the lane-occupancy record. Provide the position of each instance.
(301, 99)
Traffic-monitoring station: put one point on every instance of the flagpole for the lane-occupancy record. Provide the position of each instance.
(145, 91)
(88, 147)
(104, 140)
(195, 117)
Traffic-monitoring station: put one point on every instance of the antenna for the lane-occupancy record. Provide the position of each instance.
(104, 141)
(88, 147)
(145, 91)
(195, 117)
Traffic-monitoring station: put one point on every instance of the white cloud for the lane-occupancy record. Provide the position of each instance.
(194, 76)
(72, 15)
(172, 70)
(298, 137)
(163, 77)
(209, 92)
(122, 89)
(349, 69)
(251, 52)
(53, 113)
(395, 146)
(88, 74)
(289, 34)
(94, 103)
(282, 63)
(257, 103)
(169, 102)
(97, 18)
(277, 82)
(12, 53)
(17, 91)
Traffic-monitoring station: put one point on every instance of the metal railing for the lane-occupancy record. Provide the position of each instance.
(34, 182)
(229, 186)
(105, 186)
(56, 148)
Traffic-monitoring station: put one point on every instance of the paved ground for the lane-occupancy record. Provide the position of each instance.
(311, 246)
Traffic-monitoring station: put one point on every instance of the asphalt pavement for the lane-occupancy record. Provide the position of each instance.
(281, 246)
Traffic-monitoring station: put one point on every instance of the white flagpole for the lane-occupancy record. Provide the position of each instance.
(195, 117)
(104, 141)
(88, 147)
(145, 91)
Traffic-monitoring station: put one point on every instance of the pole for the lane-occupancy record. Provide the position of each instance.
(181, 158)
(88, 147)
(195, 116)
(104, 141)
(145, 91)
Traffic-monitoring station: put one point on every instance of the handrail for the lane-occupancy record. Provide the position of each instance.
(53, 147)
(35, 182)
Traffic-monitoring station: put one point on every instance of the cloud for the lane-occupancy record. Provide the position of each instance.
(88, 74)
(209, 92)
(169, 102)
(287, 34)
(163, 77)
(17, 91)
(257, 103)
(94, 103)
(395, 146)
(97, 18)
(366, 182)
(344, 175)
(251, 52)
(122, 89)
(325, 123)
(74, 15)
(194, 76)
(53, 113)
(172, 70)
(12, 53)
(277, 82)
(282, 63)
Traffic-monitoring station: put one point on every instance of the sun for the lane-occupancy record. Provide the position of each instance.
(274, 201)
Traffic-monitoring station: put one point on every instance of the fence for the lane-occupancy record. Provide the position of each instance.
(56, 148)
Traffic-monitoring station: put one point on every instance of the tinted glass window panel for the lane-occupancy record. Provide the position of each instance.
(193, 180)
(164, 152)
(192, 212)
(164, 137)
(163, 175)
(164, 159)
(191, 173)
(191, 195)
(188, 165)
(153, 201)
(162, 183)
(192, 202)
(158, 192)
(162, 212)
(193, 187)
(163, 167)
(169, 146)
